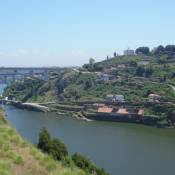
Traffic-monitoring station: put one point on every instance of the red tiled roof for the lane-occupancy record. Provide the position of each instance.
(105, 109)
(122, 111)
(141, 112)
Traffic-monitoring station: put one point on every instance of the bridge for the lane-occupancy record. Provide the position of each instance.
(9, 74)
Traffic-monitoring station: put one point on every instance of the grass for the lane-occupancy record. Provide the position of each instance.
(18, 157)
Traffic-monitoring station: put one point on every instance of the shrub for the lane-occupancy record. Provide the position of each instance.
(81, 161)
(58, 149)
(44, 141)
(54, 147)
(85, 164)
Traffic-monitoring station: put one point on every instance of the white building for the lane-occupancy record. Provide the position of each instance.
(115, 98)
(119, 98)
(91, 61)
(102, 77)
(128, 52)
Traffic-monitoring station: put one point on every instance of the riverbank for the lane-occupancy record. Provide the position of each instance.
(28, 106)
(91, 111)
(17, 157)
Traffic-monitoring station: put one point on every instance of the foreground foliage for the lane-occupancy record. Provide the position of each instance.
(20, 158)
(58, 151)
(53, 147)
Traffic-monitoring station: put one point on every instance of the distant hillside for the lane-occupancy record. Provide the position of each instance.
(135, 77)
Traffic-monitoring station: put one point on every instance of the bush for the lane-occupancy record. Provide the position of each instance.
(58, 149)
(81, 161)
(44, 141)
(85, 164)
(54, 147)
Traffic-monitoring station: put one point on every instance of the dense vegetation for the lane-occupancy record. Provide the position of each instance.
(53, 147)
(58, 151)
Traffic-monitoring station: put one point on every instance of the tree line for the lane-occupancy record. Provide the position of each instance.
(155, 51)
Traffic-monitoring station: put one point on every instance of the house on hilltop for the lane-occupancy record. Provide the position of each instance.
(128, 52)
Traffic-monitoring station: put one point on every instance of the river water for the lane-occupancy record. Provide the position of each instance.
(121, 149)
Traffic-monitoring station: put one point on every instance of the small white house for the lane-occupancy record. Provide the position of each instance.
(109, 98)
(115, 98)
(91, 61)
(128, 52)
(102, 77)
(119, 98)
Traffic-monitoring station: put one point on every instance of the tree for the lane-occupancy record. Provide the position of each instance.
(88, 84)
(54, 147)
(170, 48)
(115, 54)
(171, 115)
(148, 72)
(85, 164)
(160, 49)
(58, 149)
(44, 141)
(143, 50)
(140, 71)
(81, 161)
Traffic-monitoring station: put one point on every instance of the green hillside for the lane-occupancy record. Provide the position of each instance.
(135, 77)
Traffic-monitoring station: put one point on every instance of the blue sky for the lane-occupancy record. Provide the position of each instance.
(65, 33)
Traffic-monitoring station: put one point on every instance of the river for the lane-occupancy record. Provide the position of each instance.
(120, 148)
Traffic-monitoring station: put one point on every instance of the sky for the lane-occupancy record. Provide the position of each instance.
(68, 33)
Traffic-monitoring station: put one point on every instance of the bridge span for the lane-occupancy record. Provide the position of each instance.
(9, 74)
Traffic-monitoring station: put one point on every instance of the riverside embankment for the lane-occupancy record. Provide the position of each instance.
(28, 106)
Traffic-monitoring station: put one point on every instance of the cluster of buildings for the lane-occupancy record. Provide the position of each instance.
(103, 108)
(152, 98)
(122, 111)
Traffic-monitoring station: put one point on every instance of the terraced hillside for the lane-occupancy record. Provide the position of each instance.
(135, 77)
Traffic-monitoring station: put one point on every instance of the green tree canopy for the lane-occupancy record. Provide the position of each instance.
(143, 50)
(44, 141)
(58, 149)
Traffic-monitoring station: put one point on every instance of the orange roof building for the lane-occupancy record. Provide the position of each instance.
(122, 111)
(141, 112)
(105, 109)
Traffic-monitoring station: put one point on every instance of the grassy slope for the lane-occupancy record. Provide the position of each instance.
(20, 158)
